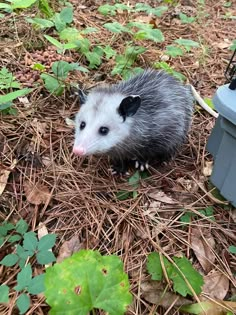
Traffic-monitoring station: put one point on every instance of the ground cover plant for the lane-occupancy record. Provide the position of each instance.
(158, 242)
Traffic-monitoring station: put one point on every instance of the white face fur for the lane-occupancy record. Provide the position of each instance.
(99, 126)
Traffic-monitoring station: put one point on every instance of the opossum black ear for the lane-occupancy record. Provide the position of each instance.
(129, 106)
(82, 96)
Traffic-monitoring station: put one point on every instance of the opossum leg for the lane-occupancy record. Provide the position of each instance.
(141, 165)
(119, 167)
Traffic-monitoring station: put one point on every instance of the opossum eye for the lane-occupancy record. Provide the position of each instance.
(82, 125)
(103, 131)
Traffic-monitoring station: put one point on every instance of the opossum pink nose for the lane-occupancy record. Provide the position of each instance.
(79, 150)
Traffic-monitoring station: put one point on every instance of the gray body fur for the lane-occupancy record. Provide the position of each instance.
(161, 123)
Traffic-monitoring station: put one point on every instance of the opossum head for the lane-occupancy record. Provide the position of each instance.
(104, 121)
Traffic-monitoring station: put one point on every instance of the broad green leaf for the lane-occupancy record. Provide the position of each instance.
(186, 19)
(187, 43)
(154, 266)
(22, 4)
(159, 11)
(134, 51)
(13, 95)
(94, 59)
(36, 284)
(5, 227)
(116, 27)
(22, 253)
(9, 260)
(209, 102)
(4, 293)
(21, 226)
(107, 9)
(61, 69)
(5, 106)
(47, 242)
(122, 6)
(6, 7)
(232, 249)
(52, 84)
(194, 278)
(85, 281)
(2, 240)
(151, 34)
(59, 23)
(54, 41)
(142, 7)
(45, 8)
(70, 34)
(45, 257)
(66, 15)
(140, 25)
(14, 238)
(187, 217)
(23, 303)
(40, 23)
(174, 51)
(7, 80)
(30, 241)
(208, 212)
(109, 52)
(23, 278)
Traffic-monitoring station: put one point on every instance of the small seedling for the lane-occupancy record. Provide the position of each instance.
(189, 216)
(163, 65)
(185, 278)
(186, 19)
(31, 247)
(87, 281)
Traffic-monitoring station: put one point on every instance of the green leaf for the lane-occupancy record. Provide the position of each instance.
(5, 227)
(134, 180)
(21, 226)
(22, 4)
(66, 15)
(109, 52)
(107, 9)
(159, 11)
(142, 7)
(54, 41)
(70, 34)
(233, 46)
(85, 281)
(186, 19)
(22, 253)
(123, 195)
(52, 84)
(7, 80)
(208, 212)
(9, 260)
(24, 278)
(45, 257)
(194, 278)
(116, 27)
(14, 238)
(209, 102)
(38, 66)
(47, 242)
(154, 267)
(36, 284)
(4, 293)
(174, 51)
(13, 95)
(232, 249)
(89, 30)
(187, 43)
(2, 240)
(5, 106)
(187, 217)
(59, 23)
(40, 23)
(151, 34)
(6, 7)
(94, 59)
(30, 241)
(45, 8)
(23, 303)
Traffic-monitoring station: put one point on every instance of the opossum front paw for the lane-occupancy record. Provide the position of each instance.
(141, 165)
(119, 169)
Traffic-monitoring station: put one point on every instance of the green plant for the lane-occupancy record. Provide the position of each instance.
(233, 46)
(31, 247)
(189, 216)
(186, 19)
(56, 83)
(186, 280)
(163, 65)
(87, 281)
(42, 5)
(8, 82)
(232, 249)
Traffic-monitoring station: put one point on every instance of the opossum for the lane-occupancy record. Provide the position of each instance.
(144, 119)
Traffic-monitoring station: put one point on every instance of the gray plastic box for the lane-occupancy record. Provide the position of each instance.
(222, 143)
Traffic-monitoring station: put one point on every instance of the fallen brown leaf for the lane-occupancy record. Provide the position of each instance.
(154, 292)
(4, 174)
(207, 169)
(203, 244)
(161, 196)
(70, 247)
(36, 194)
(216, 307)
(216, 285)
